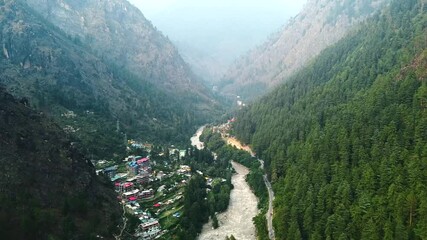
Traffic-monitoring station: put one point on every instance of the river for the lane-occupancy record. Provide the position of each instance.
(269, 215)
(195, 139)
(237, 220)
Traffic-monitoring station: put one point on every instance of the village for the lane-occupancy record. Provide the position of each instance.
(150, 186)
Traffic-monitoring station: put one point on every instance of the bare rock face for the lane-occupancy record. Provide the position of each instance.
(320, 24)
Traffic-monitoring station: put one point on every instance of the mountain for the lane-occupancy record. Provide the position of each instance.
(345, 138)
(49, 189)
(203, 63)
(211, 34)
(320, 24)
(118, 31)
(59, 73)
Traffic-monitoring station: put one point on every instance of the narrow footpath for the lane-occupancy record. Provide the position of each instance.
(119, 237)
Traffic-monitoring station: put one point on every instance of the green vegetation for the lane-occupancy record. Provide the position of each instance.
(230, 238)
(196, 210)
(349, 9)
(203, 160)
(63, 74)
(49, 189)
(261, 225)
(345, 139)
(204, 199)
(255, 179)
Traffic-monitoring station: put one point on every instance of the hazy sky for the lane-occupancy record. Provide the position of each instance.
(224, 29)
(152, 8)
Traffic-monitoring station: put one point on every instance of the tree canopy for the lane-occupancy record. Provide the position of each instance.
(345, 139)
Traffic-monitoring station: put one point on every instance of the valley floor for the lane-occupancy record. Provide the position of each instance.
(237, 220)
(269, 216)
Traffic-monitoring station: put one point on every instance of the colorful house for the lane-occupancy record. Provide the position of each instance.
(133, 168)
(143, 162)
(146, 194)
(150, 229)
(111, 171)
(133, 193)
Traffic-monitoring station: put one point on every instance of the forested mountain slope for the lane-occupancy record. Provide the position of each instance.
(118, 31)
(320, 24)
(345, 139)
(49, 190)
(58, 73)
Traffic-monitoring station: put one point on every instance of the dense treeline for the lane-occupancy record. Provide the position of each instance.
(219, 170)
(196, 210)
(345, 139)
(204, 160)
(203, 200)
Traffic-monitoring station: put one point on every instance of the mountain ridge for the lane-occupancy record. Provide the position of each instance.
(59, 73)
(319, 25)
(118, 31)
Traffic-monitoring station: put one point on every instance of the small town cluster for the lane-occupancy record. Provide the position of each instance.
(150, 186)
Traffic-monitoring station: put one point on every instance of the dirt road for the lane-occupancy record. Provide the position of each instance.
(269, 214)
(237, 220)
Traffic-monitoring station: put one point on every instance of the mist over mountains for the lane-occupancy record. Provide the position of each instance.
(97, 105)
(212, 34)
(103, 57)
(319, 25)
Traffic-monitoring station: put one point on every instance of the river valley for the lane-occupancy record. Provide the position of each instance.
(237, 220)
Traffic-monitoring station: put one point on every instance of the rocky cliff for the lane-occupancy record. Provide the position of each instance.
(320, 24)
